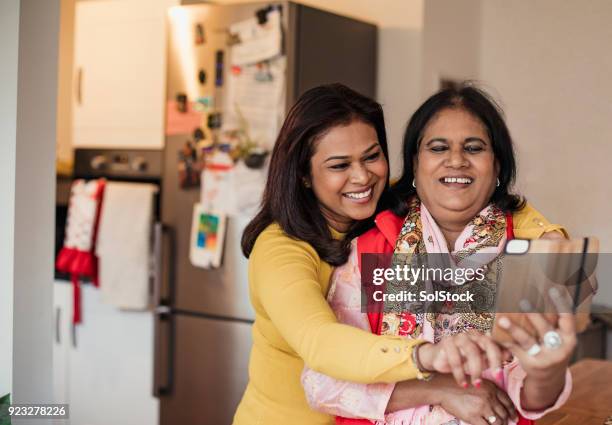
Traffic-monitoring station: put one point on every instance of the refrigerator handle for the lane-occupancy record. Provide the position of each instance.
(164, 347)
(157, 261)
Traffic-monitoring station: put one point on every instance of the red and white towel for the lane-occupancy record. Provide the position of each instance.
(77, 257)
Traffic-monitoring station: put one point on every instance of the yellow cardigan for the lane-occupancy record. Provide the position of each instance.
(295, 325)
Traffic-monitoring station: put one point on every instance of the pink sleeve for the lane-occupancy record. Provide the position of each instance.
(347, 399)
(515, 377)
(341, 398)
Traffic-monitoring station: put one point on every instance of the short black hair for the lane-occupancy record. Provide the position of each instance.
(477, 102)
(286, 200)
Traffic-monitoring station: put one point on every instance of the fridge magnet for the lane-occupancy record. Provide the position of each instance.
(219, 59)
(189, 167)
(199, 35)
(216, 191)
(181, 102)
(214, 120)
(207, 102)
(260, 36)
(202, 76)
(207, 237)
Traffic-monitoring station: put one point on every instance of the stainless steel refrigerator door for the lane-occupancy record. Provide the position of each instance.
(222, 291)
(330, 48)
(209, 373)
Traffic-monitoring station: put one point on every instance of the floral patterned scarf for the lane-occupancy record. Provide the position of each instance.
(480, 245)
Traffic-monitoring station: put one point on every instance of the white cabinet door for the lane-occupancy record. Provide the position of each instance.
(111, 366)
(120, 68)
(107, 375)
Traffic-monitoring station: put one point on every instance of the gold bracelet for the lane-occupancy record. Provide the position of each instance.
(422, 374)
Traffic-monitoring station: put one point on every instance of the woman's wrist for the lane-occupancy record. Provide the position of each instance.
(423, 355)
(541, 391)
(410, 394)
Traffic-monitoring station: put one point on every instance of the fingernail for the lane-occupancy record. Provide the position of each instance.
(525, 305)
(477, 383)
(464, 384)
(504, 322)
(499, 374)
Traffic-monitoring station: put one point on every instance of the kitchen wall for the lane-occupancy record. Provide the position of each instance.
(451, 42)
(549, 63)
(28, 78)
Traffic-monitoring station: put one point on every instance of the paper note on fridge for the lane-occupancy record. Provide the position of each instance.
(256, 42)
(178, 122)
(235, 191)
(207, 237)
(256, 96)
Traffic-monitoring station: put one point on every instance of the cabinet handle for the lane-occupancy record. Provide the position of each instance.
(79, 86)
(58, 312)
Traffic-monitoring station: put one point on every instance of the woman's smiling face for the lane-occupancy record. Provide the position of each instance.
(348, 173)
(455, 169)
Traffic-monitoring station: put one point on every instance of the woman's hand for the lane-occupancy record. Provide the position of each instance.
(477, 406)
(545, 356)
(468, 353)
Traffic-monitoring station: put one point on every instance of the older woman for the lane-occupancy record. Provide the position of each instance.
(453, 198)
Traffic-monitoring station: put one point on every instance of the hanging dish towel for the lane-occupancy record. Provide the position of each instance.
(124, 244)
(77, 256)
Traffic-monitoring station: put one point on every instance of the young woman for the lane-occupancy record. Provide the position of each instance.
(453, 198)
(328, 170)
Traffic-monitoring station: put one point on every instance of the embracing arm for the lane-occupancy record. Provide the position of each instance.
(285, 278)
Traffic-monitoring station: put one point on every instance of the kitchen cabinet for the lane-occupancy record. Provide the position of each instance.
(62, 296)
(119, 75)
(105, 373)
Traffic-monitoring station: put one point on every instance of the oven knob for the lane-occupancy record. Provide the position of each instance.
(98, 162)
(139, 164)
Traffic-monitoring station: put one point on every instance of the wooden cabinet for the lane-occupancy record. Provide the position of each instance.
(119, 75)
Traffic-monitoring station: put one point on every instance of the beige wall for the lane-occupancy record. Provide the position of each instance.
(549, 63)
(451, 39)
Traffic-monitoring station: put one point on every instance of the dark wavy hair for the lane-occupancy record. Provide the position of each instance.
(286, 200)
(477, 102)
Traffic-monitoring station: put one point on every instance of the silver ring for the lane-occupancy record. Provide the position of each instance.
(492, 419)
(534, 350)
(552, 340)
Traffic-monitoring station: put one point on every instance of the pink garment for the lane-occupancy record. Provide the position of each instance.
(353, 400)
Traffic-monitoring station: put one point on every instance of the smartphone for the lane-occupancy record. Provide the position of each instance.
(532, 267)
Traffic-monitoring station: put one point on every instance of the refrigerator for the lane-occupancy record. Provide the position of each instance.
(203, 317)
